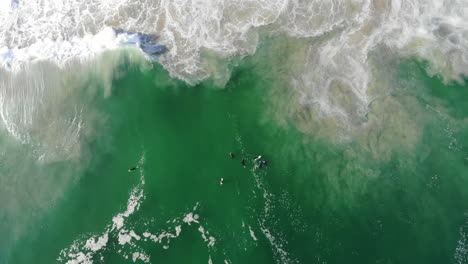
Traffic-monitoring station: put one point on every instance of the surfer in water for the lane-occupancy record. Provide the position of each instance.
(132, 169)
(243, 162)
(259, 162)
(231, 155)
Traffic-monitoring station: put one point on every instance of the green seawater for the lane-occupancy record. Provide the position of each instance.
(386, 195)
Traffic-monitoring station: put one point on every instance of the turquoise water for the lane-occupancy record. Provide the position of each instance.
(391, 191)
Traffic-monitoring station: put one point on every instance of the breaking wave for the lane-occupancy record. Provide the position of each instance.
(195, 40)
(89, 248)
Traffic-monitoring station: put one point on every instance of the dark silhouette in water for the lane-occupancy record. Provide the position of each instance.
(231, 155)
(132, 169)
(243, 162)
(259, 162)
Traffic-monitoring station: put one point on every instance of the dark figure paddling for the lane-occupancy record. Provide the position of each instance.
(260, 163)
(132, 169)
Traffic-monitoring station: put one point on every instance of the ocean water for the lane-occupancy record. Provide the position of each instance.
(359, 107)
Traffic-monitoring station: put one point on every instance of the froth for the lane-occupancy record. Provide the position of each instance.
(87, 250)
(62, 51)
(461, 250)
(331, 78)
(198, 33)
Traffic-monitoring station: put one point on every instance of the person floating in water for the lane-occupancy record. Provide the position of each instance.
(243, 162)
(262, 163)
(231, 155)
(132, 169)
(259, 162)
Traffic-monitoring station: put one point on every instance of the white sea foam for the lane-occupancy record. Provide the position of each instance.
(461, 251)
(206, 236)
(62, 51)
(268, 225)
(93, 245)
(132, 205)
(141, 256)
(191, 218)
(252, 234)
(62, 29)
(337, 71)
(79, 253)
(85, 250)
(332, 75)
(134, 201)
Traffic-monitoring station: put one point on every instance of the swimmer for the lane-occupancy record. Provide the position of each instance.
(221, 181)
(243, 162)
(257, 158)
(260, 163)
(132, 169)
(231, 155)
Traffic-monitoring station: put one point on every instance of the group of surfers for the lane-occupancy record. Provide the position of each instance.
(258, 163)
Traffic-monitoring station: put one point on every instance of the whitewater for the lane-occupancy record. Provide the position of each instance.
(359, 106)
(197, 39)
